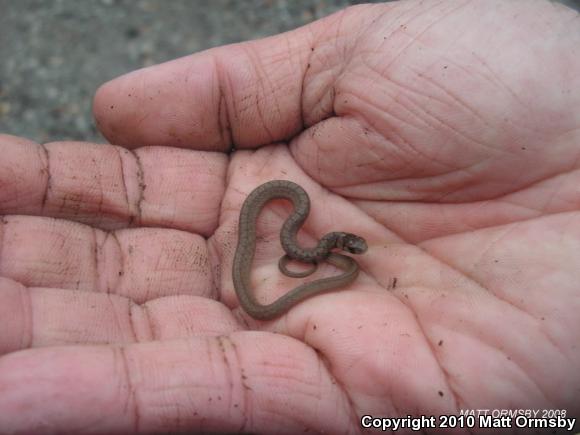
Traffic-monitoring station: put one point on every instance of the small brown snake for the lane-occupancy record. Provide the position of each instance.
(251, 208)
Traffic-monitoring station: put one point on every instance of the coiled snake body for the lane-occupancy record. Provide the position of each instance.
(244, 255)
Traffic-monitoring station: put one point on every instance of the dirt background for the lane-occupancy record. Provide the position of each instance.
(54, 54)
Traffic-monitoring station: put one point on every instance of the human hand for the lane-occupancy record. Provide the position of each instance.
(444, 133)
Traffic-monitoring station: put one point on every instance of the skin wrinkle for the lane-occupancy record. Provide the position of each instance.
(99, 178)
(494, 78)
(220, 118)
(452, 191)
(457, 170)
(333, 93)
(3, 223)
(525, 187)
(48, 183)
(360, 33)
(433, 346)
(254, 96)
(120, 354)
(264, 168)
(521, 370)
(400, 154)
(136, 220)
(335, 38)
(320, 109)
(293, 59)
(262, 82)
(231, 112)
(400, 120)
(109, 235)
(482, 288)
(553, 196)
(301, 66)
(302, 387)
(323, 362)
(304, 75)
(26, 304)
(410, 148)
(564, 133)
(324, 114)
(321, 149)
(530, 128)
(440, 125)
(228, 397)
(181, 100)
(141, 120)
(343, 34)
(223, 116)
(396, 25)
(122, 167)
(392, 133)
(443, 126)
(465, 202)
(459, 103)
(455, 98)
(574, 163)
(96, 262)
(443, 195)
(117, 320)
(451, 12)
(572, 220)
(483, 204)
(215, 259)
(323, 107)
(373, 145)
(221, 340)
(403, 48)
(318, 152)
(556, 346)
(121, 271)
(151, 333)
(244, 392)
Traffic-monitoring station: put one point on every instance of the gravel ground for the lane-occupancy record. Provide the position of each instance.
(54, 54)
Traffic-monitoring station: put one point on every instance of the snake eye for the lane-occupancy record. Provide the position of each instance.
(354, 244)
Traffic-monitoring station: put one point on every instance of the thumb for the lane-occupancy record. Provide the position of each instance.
(241, 95)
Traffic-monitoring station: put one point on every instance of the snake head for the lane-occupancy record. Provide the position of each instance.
(352, 243)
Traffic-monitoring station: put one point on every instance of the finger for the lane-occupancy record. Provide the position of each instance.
(244, 94)
(140, 264)
(110, 187)
(36, 317)
(245, 382)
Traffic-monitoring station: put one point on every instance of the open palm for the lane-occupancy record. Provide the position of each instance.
(445, 133)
